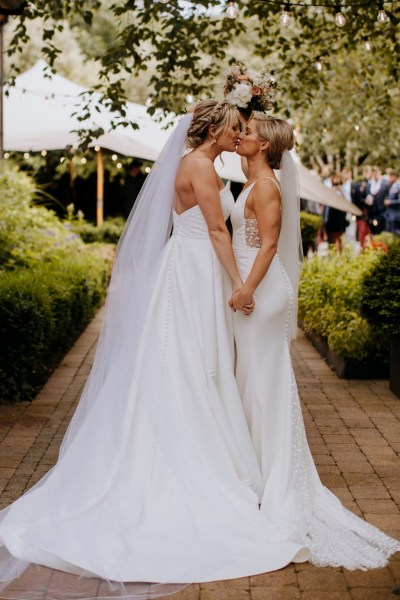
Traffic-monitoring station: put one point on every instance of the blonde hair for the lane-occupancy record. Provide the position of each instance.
(278, 133)
(206, 113)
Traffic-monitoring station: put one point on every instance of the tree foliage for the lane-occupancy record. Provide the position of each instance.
(180, 49)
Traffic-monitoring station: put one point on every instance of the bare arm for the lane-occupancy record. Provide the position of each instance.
(266, 205)
(205, 186)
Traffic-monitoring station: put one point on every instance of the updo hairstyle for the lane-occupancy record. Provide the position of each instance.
(278, 133)
(206, 113)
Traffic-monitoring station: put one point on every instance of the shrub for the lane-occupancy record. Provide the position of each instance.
(380, 293)
(309, 225)
(329, 304)
(109, 232)
(42, 311)
(28, 233)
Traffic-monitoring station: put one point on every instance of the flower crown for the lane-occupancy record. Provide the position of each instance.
(250, 90)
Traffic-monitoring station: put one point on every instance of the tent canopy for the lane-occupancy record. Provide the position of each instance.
(38, 116)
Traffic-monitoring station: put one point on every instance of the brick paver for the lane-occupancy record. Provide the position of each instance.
(353, 428)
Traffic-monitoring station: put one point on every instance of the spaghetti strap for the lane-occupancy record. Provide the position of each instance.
(259, 179)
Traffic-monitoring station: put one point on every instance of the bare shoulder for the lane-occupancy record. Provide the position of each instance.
(266, 191)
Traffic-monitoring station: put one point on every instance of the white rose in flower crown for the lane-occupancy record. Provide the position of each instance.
(240, 95)
(253, 76)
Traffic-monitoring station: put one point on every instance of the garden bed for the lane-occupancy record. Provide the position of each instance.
(346, 369)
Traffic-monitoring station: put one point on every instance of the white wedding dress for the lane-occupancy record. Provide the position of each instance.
(178, 502)
(294, 498)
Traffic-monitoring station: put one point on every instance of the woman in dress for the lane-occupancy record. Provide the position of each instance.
(267, 245)
(157, 480)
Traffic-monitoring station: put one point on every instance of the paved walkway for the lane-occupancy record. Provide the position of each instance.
(353, 429)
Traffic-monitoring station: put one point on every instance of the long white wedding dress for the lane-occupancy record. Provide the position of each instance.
(293, 498)
(179, 500)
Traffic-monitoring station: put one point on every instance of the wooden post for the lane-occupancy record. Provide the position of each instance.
(100, 189)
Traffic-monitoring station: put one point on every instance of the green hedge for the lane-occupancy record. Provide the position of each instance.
(42, 311)
(309, 225)
(380, 293)
(108, 233)
(330, 305)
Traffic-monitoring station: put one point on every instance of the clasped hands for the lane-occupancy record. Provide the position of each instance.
(243, 301)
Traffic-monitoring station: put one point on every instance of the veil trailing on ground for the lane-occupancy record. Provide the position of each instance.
(290, 247)
(99, 432)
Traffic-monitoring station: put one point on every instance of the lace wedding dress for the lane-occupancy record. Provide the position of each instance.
(294, 498)
(178, 500)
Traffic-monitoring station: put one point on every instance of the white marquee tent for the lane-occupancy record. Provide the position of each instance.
(38, 116)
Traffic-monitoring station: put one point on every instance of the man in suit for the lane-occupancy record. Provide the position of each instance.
(376, 192)
(359, 194)
(392, 204)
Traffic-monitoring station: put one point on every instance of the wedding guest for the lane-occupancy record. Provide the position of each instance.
(359, 196)
(392, 203)
(376, 192)
(335, 220)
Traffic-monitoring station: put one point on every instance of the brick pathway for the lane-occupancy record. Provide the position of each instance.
(353, 428)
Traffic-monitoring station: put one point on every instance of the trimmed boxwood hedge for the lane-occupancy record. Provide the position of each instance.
(42, 311)
(330, 305)
(380, 293)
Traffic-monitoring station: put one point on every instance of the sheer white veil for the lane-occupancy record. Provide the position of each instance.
(290, 246)
(135, 269)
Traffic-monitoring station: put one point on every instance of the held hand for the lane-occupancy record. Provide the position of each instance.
(242, 300)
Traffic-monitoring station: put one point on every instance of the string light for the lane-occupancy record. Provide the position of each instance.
(6, 155)
(285, 17)
(97, 148)
(232, 10)
(189, 98)
(318, 64)
(357, 127)
(368, 45)
(27, 155)
(383, 17)
(119, 165)
(43, 152)
(114, 157)
(83, 160)
(62, 159)
(164, 1)
(147, 169)
(340, 19)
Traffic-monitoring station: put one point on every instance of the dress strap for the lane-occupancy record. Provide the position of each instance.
(270, 178)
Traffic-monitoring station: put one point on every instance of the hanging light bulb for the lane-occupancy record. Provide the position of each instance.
(368, 45)
(285, 16)
(383, 17)
(189, 98)
(357, 127)
(340, 19)
(232, 10)
(27, 155)
(97, 148)
(318, 64)
(6, 155)
(83, 160)
(43, 152)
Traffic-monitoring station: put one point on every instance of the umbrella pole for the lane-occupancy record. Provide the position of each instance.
(100, 189)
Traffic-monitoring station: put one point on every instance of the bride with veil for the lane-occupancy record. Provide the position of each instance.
(157, 481)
